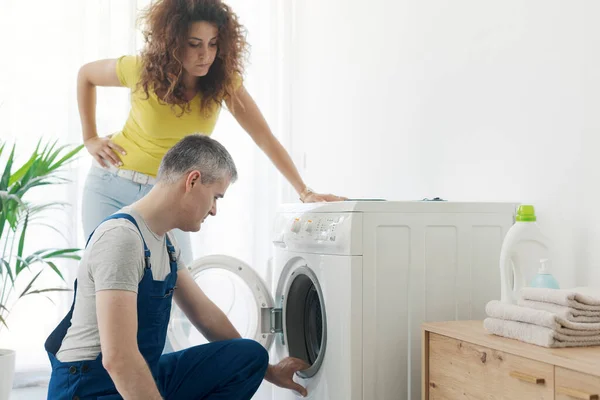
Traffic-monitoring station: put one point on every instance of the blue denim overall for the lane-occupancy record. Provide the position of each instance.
(231, 369)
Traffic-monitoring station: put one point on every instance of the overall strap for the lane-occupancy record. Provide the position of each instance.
(172, 255)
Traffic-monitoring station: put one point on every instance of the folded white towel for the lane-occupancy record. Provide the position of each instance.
(511, 312)
(568, 313)
(569, 298)
(535, 334)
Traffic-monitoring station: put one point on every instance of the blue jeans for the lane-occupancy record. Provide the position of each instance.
(105, 193)
(226, 370)
(231, 369)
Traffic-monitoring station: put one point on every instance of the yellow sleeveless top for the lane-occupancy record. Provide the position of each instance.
(153, 127)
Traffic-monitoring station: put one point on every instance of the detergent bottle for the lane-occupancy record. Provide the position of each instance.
(523, 240)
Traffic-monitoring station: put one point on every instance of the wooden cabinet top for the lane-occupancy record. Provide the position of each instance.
(582, 359)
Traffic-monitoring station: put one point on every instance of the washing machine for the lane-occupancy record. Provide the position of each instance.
(351, 283)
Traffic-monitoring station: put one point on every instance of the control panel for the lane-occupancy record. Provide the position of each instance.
(324, 232)
(315, 228)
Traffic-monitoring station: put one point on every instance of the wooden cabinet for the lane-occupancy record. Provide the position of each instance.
(576, 385)
(460, 369)
(462, 361)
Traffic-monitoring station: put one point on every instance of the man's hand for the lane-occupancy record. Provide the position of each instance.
(282, 374)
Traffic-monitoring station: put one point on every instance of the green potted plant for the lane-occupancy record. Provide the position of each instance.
(43, 168)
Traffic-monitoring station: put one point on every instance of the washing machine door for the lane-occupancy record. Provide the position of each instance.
(304, 315)
(239, 292)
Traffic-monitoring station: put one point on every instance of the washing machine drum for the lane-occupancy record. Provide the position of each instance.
(305, 321)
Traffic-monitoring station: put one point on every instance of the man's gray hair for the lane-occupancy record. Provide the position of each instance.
(200, 153)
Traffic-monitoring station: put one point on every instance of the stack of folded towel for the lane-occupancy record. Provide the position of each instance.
(548, 317)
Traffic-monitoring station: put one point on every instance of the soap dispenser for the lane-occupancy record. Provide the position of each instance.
(544, 279)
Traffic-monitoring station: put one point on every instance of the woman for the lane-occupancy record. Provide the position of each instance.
(191, 64)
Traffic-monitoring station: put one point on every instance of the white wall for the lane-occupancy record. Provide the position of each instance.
(462, 99)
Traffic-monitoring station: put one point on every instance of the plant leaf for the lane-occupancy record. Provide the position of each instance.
(24, 264)
(42, 168)
(18, 175)
(9, 270)
(6, 174)
(50, 290)
(32, 259)
(68, 157)
(9, 207)
(53, 266)
(6, 196)
(62, 253)
(30, 284)
(22, 243)
(2, 319)
(51, 154)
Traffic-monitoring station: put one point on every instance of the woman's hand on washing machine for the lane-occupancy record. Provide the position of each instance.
(317, 197)
(282, 374)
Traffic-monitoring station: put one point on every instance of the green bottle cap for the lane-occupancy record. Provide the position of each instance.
(526, 213)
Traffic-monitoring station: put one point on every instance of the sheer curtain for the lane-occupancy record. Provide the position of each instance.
(43, 45)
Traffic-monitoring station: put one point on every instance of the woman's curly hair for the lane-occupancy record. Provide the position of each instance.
(165, 30)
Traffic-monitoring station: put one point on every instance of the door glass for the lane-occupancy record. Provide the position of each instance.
(304, 319)
(231, 294)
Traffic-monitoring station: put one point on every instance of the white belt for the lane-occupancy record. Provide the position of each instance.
(133, 176)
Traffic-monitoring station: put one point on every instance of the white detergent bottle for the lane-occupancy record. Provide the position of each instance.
(523, 236)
